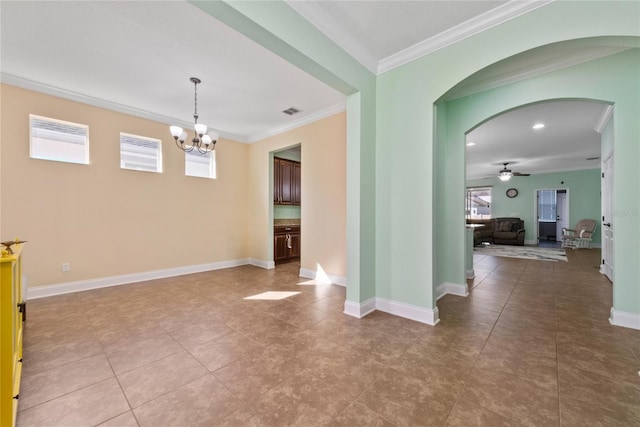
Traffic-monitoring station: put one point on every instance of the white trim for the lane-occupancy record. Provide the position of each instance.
(470, 273)
(318, 115)
(604, 119)
(533, 242)
(397, 308)
(489, 19)
(451, 288)
(408, 311)
(103, 282)
(101, 103)
(624, 319)
(359, 310)
(327, 25)
(311, 274)
(262, 263)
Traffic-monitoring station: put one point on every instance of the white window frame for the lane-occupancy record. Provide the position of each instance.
(75, 142)
(145, 151)
(472, 209)
(204, 171)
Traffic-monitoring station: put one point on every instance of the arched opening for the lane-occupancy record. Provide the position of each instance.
(466, 107)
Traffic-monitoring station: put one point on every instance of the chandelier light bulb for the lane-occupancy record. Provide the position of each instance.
(201, 129)
(176, 131)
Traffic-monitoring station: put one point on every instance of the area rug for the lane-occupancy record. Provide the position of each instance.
(525, 252)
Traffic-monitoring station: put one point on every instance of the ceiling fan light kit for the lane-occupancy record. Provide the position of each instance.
(505, 174)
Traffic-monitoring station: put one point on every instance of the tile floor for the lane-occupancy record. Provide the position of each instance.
(530, 346)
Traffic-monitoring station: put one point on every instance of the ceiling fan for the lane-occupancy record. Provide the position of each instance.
(506, 174)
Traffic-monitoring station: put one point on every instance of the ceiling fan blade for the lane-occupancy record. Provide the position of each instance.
(521, 174)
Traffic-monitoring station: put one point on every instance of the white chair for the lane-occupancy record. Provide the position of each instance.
(580, 236)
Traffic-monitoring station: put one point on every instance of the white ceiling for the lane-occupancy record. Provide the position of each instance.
(137, 57)
(568, 139)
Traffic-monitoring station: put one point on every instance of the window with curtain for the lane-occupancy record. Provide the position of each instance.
(478, 203)
(547, 205)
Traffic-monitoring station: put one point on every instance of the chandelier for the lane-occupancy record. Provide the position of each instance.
(202, 141)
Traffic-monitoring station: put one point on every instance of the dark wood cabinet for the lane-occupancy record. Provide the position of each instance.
(286, 243)
(286, 182)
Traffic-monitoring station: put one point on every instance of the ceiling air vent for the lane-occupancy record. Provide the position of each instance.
(291, 111)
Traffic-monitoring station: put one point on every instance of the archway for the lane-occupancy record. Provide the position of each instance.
(456, 116)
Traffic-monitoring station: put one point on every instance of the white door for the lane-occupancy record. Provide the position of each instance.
(607, 218)
(562, 214)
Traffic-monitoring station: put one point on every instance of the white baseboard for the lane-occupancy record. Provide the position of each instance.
(408, 311)
(261, 263)
(471, 274)
(359, 310)
(313, 274)
(624, 319)
(103, 282)
(451, 288)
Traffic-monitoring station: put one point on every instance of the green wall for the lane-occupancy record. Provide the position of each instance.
(423, 164)
(405, 148)
(584, 196)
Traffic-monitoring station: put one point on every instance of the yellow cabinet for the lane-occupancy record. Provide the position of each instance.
(11, 326)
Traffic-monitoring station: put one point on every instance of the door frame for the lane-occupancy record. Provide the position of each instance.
(535, 209)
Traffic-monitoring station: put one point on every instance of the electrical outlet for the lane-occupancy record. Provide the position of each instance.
(66, 266)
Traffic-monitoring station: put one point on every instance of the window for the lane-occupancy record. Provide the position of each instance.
(140, 153)
(200, 165)
(478, 203)
(58, 140)
(547, 205)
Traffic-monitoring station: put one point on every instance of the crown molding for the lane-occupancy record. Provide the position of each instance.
(327, 25)
(318, 115)
(101, 103)
(473, 26)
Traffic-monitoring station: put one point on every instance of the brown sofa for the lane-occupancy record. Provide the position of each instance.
(501, 231)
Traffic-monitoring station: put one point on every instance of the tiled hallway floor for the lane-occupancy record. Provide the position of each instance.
(531, 345)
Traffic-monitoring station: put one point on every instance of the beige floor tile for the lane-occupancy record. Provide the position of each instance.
(203, 402)
(157, 378)
(148, 349)
(300, 401)
(514, 397)
(359, 415)
(47, 385)
(125, 420)
(406, 400)
(220, 352)
(466, 413)
(89, 406)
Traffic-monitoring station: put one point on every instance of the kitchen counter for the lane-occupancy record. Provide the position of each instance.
(286, 221)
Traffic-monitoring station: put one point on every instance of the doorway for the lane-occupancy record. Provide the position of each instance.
(552, 215)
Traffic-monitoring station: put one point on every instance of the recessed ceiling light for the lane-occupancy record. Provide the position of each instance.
(538, 126)
(470, 144)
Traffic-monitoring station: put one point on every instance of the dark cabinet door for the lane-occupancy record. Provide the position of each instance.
(286, 181)
(294, 246)
(296, 187)
(281, 251)
(277, 186)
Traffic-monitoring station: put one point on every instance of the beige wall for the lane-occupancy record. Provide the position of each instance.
(323, 211)
(106, 221)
